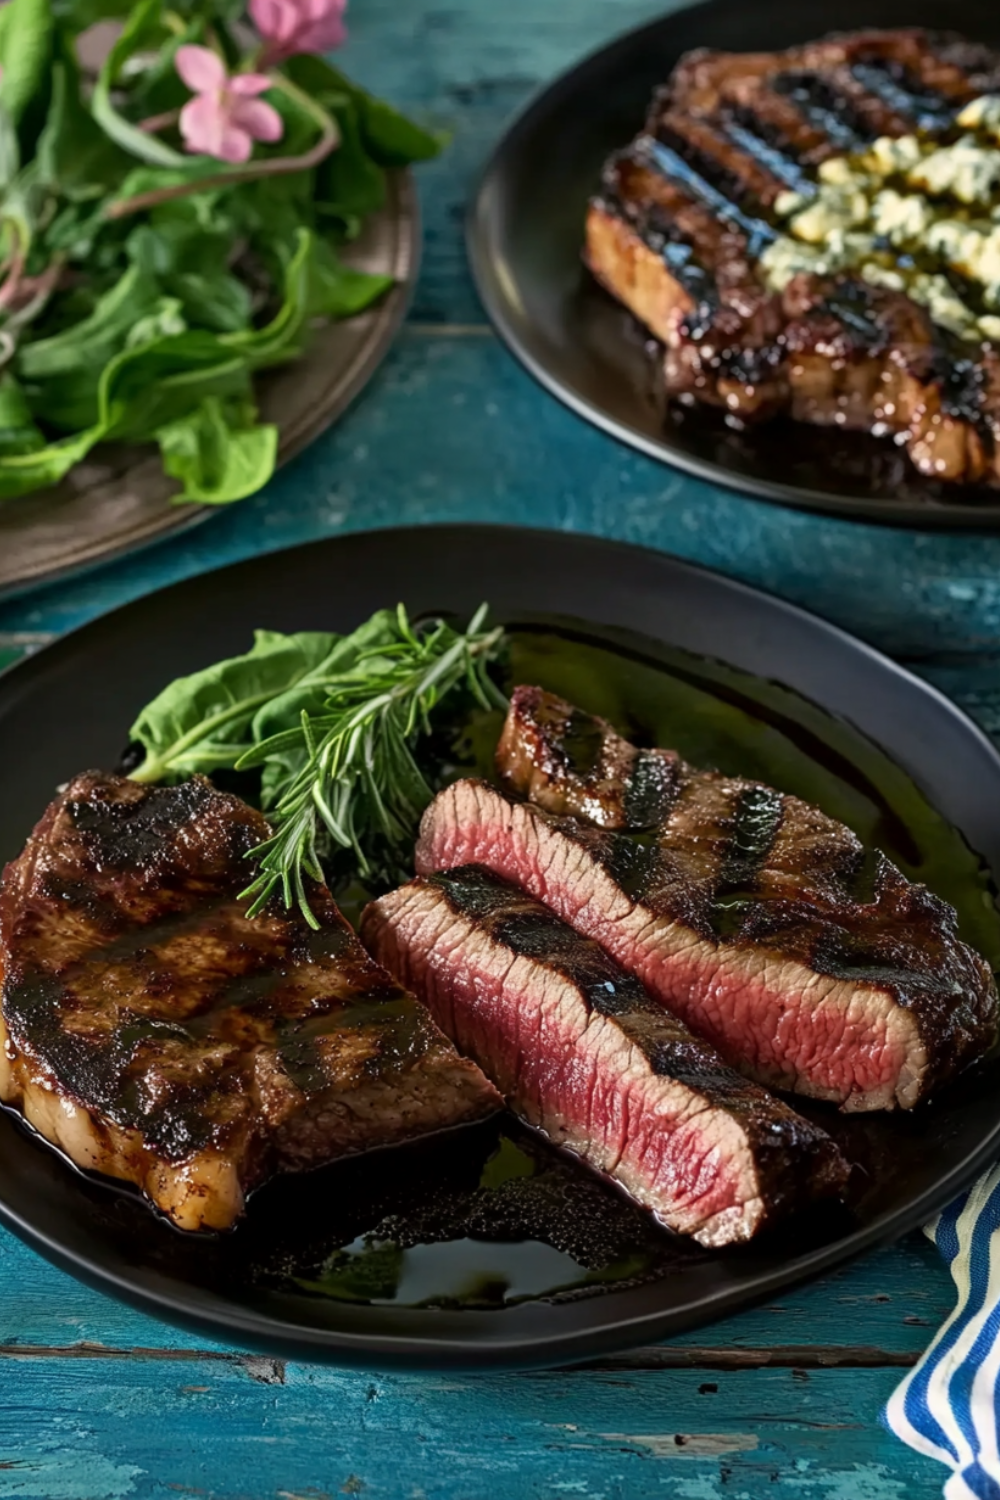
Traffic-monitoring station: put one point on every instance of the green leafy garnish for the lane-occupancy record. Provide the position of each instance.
(334, 723)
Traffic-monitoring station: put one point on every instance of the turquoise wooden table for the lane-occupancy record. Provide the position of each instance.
(100, 1403)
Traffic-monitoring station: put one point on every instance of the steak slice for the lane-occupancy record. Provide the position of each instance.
(775, 227)
(156, 1034)
(583, 1053)
(761, 922)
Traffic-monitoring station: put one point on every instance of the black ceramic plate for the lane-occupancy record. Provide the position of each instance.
(484, 1221)
(526, 230)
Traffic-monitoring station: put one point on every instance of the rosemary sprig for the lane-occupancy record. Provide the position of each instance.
(353, 780)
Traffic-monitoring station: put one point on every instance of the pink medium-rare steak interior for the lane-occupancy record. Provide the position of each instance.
(779, 1001)
(774, 886)
(583, 1053)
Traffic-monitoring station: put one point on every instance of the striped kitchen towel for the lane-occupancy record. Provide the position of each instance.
(947, 1407)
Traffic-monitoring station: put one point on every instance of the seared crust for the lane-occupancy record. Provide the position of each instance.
(765, 924)
(684, 214)
(156, 1034)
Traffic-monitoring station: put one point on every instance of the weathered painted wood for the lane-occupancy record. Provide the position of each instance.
(142, 1428)
(454, 430)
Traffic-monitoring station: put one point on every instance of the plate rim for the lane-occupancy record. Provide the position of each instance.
(405, 1351)
(481, 253)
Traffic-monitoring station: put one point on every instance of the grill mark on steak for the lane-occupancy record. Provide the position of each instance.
(156, 1033)
(731, 132)
(761, 921)
(584, 1053)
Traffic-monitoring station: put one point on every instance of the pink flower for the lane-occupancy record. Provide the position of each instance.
(224, 118)
(292, 26)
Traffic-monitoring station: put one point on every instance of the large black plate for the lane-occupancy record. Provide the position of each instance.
(69, 706)
(526, 230)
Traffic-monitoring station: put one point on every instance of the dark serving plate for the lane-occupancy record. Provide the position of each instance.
(758, 684)
(525, 232)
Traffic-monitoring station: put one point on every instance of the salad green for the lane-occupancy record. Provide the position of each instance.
(143, 283)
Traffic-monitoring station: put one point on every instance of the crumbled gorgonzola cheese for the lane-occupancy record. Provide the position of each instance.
(785, 258)
(879, 276)
(891, 154)
(982, 114)
(832, 209)
(904, 218)
(966, 171)
(944, 305)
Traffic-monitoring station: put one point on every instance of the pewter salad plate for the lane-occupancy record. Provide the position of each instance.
(119, 499)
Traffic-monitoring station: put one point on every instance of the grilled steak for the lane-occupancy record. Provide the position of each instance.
(582, 1052)
(157, 1035)
(814, 232)
(761, 922)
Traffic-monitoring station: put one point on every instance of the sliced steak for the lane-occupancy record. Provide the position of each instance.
(583, 1053)
(156, 1034)
(878, 316)
(761, 922)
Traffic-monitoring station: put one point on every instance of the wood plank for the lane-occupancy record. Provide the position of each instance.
(470, 69)
(220, 1430)
(454, 430)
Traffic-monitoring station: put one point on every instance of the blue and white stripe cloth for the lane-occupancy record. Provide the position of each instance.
(948, 1407)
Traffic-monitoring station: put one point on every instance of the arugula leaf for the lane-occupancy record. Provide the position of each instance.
(202, 722)
(217, 453)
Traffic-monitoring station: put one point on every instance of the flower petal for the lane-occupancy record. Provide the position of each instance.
(276, 20)
(260, 119)
(322, 36)
(202, 123)
(235, 145)
(250, 83)
(200, 68)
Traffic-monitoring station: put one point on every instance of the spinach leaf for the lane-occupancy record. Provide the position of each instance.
(390, 139)
(203, 722)
(18, 432)
(338, 290)
(349, 185)
(20, 473)
(25, 54)
(61, 373)
(217, 453)
(75, 157)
